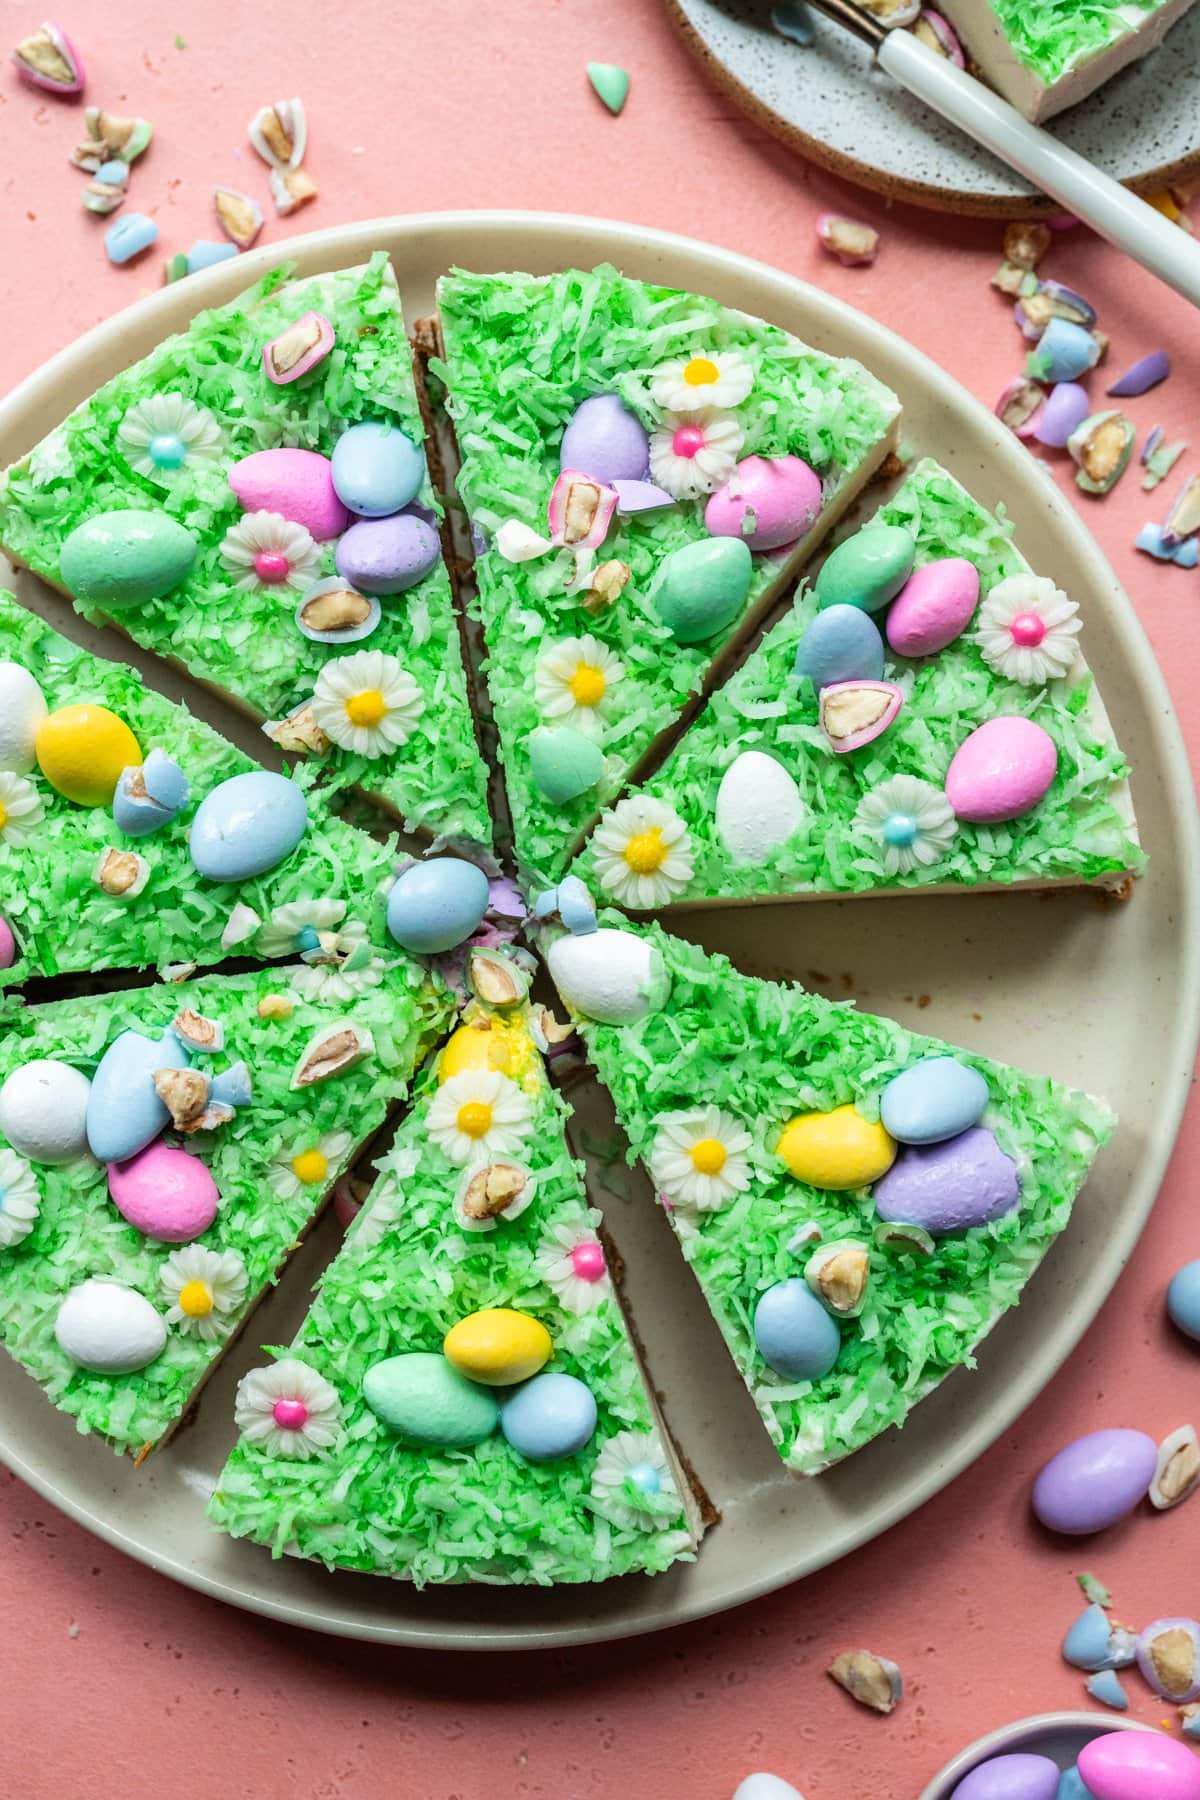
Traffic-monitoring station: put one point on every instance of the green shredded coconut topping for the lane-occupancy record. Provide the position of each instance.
(521, 354)
(408, 1272)
(1050, 36)
(246, 643)
(765, 1052)
(1081, 830)
(79, 1233)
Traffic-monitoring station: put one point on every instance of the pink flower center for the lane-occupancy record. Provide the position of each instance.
(1028, 629)
(587, 1260)
(688, 440)
(290, 1415)
(271, 566)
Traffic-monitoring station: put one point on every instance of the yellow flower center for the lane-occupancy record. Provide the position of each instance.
(587, 685)
(700, 371)
(646, 852)
(195, 1299)
(310, 1166)
(366, 708)
(3, 816)
(475, 1118)
(709, 1156)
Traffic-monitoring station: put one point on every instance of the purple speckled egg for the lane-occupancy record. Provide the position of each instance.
(933, 607)
(1067, 406)
(767, 501)
(296, 483)
(606, 441)
(1017, 1777)
(1001, 771)
(387, 556)
(1094, 1481)
(167, 1194)
(962, 1181)
(1139, 1765)
(8, 944)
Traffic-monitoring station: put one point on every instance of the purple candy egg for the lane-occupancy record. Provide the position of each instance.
(1017, 1777)
(950, 1186)
(1146, 373)
(1094, 1481)
(1067, 406)
(606, 441)
(387, 556)
(8, 944)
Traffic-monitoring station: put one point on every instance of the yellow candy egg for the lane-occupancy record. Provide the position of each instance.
(497, 1346)
(838, 1149)
(81, 751)
(484, 1046)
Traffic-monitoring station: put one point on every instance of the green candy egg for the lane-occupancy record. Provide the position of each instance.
(564, 763)
(702, 587)
(422, 1397)
(868, 570)
(123, 558)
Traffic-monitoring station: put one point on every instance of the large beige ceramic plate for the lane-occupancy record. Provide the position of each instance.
(1099, 994)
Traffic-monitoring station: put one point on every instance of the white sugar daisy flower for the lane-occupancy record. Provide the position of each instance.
(51, 460)
(699, 1158)
(309, 1164)
(298, 926)
(570, 1260)
(204, 1287)
(20, 1199)
(694, 383)
(643, 853)
(911, 823)
(327, 982)
(265, 550)
(1026, 630)
(20, 809)
(573, 682)
(632, 1484)
(162, 434)
(367, 703)
(288, 1410)
(478, 1115)
(693, 453)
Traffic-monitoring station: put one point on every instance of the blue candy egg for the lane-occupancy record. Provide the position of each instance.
(435, 906)
(149, 795)
(124, 1112)
(794, 1333)
(377, 469)
(550, 1417)
(843, 643)
(606, 441)
(1183, 1299)
(247, 825)
(935, 1099)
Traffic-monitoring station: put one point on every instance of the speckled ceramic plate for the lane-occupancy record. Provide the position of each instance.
(831, 103)
(1039, 981)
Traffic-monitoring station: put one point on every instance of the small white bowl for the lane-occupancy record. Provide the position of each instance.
(1060, 1736)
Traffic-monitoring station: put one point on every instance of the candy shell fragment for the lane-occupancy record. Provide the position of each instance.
(874, 1681)
(580, 510)
(1168, 1655)
(894, 12)
(202, 255)
(940, 35)
(1159, 463)
(240, 217)
(837, 1275)
(1105, 1686)
(1065, 350)
(854, 713)
(1065, 410)
(1178, 1472)
(332, 612)
(102, 196)
(110, 139)
(121, 874)
(1010, 278)
(1020, 406)
(48, 59)
(852, 243)
(290, 190)
(610, 83)
(1094, 1642)
(298, 349)
(1146, 373)
(130, 237)
(331, 1052)
(280, 133)
(1051, 300)
(793, 20)
(1184, 517)
(1101, 448)
(1026, 241)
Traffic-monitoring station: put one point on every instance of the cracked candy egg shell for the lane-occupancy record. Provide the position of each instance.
(124, 1111)
(43, 1111)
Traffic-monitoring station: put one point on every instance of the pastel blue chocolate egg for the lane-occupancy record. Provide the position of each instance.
(1088, 1643)
(702, 587)
(1070, 1786)
(868, 570)
(1094, 1481)
(423, 1397)
(124, 1112)
(937, 1098)
(964, 1181)
(436, 905)
(126, 557)
(149, 795)
(387, 556)
(843, 643)
(1020, 1776)
(606, 441)
(246, 825)
(563, 762)
(1183, 1299)
(377, 469)
(548, 1418)
(794, 1333)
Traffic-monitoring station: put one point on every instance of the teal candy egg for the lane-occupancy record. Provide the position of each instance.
(868, 570)
(436, 905)
(702, 587)
(548, 1418)
(843, 643)
(936, 1099)
(377, 469)
(123, 558)
(247, 825)
(1183, 1299)
(124, 1112)
(423, 1397)
(563, 762)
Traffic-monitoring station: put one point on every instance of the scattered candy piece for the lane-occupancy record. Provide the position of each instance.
(43, 1111)
(1093, 1642)
(940, 35)
(852, 243)
(1001, 770)
(8, 944)
(1168, 1655)
(104, 194)
(1101, 448)
(1021, 405)
(1159, 463)
(109, 1328)
(291, 189)
(1146, 373)
(1178, 1469)
(1010, 278)
(129, 237)
(894, 12)
(280, 133)
(1026, 242)
(1093, 1588)
(793, 20)
(610, 83)
(1051, 300)
(110, 139)
(872, 1680)
(1155, 542)
(1165, 202)
(1065, 351)
(1189, 1720)
(239, 217)
(298, 349)
(1154, 438)
(760, 1786)
(48, 59)
(436, 905)
(1094, 1481)
(498, 1346)
(1105, 1686)
(202, 255)
(1183, 1299)
(1064, 412)
(1183, 519)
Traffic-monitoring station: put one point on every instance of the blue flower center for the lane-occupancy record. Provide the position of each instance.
(307, 939)
(167, 450)
(645, 1477)
(900, 830)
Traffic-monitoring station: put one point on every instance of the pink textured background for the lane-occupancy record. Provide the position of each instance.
(164, 1691)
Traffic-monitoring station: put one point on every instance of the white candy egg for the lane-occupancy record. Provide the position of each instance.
(611, 976)
(22, 709)
(766, 1787)
(108, 1328)
(43, 1111)
(758, 807)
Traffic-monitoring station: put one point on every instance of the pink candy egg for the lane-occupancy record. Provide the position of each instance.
(779, 497)
(8, 944)
(167, 1194)
(1001, 771)
(933, 607)
(296, 483)
(1137, 1765)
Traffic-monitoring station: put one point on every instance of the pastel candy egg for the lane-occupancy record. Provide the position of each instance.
(934, 607)
(1017, 1777)
(552, 1416)
(611, 976)
(951, 1186)
(1168, 1655)
(167, 1194)
(758, 807)
(1094, 1481)
(22, 709)
(498, 1346)
(606, 441)
(124, 1111)
(563, 762)
(109, 1329)
(436, 905)
(1183, 1299)
(247, 825)
(422, 1397)
(937, 1098)
(839, 1149)
(82, 749)
(761, 1786)
(868, 570)
(1139, 1765)
(387, 556)
(8, 944)
(469, 1049)
(124, 558)
(702, 587)
(43, 1111)
(296, 483)
(795, 1335)
(767, 502)
(149, 795)
(841, 644)
(1001, 771)
(377, 469)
